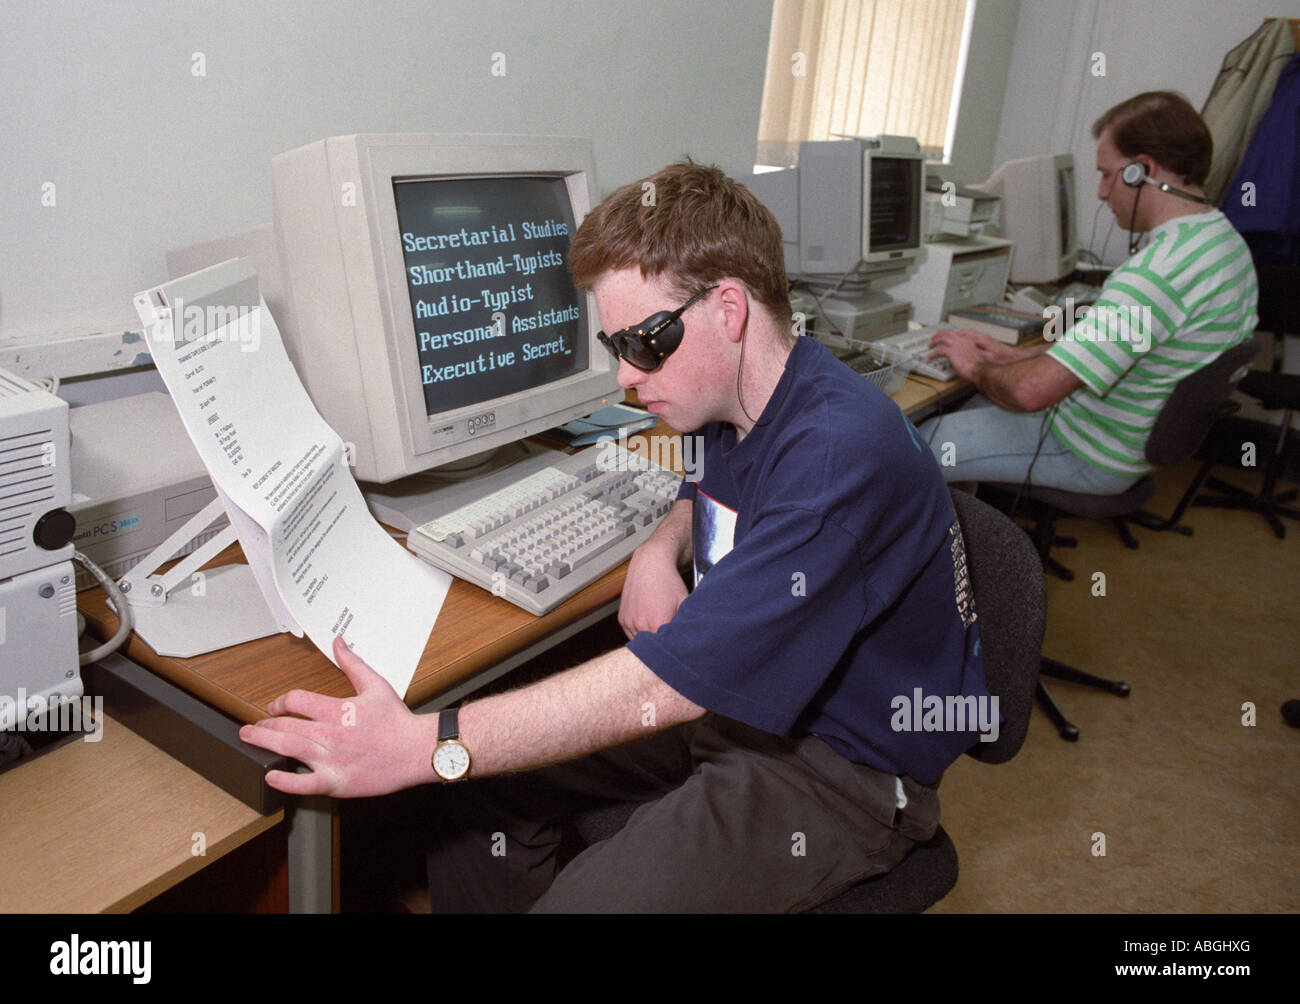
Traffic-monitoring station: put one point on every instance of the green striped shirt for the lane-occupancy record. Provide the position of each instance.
(1168, 310)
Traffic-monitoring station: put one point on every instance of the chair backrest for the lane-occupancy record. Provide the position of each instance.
(1279, 304)
(1198, 401)
(1011, 603)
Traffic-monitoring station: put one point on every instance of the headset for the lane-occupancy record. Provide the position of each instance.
(1135, 175)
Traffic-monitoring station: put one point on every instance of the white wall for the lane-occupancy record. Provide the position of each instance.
(1053, 97)
(99, 99)
(988, 60)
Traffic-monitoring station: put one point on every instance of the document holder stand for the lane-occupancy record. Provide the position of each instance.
(183, 612)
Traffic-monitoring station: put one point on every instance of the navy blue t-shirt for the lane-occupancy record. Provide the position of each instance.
(843, 602)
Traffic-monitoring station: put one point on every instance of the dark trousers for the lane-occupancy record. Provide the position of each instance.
(731, 819)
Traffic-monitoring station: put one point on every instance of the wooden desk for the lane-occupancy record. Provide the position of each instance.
(477, 638)
(922, 397)
(474, 633)
(107, 826)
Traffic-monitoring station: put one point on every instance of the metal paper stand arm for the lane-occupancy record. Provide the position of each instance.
(159, 586)
(225, 608)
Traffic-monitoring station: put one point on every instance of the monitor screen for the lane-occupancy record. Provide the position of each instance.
(1065, 207)
(494, 307)
(894, 194)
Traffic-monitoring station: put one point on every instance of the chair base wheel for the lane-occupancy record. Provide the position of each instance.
(1059, 670)
(1267, 505)
(1059, 570)
(1067, 729)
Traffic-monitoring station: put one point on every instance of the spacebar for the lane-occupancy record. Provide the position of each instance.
(599, 547)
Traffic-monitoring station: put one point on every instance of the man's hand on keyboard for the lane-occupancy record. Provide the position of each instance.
(969, 350)
(371, 744)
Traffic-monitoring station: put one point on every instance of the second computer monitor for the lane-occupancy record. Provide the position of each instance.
(850, 211)
(1039, 215)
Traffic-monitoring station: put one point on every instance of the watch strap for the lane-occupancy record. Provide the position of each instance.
(448, 724)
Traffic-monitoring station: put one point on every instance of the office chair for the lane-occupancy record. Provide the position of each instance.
(1279, 313)
(1197, 402)
(1011, 602)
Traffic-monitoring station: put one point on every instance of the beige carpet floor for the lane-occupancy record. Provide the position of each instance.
(1169, 801)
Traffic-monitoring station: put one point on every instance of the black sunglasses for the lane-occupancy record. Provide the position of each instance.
(648, 344)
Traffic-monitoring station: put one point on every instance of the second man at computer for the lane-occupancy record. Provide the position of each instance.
(1075, 413)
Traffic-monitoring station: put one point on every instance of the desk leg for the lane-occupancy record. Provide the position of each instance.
(311, 855)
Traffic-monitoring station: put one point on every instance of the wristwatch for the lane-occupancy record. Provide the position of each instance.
(450, 757)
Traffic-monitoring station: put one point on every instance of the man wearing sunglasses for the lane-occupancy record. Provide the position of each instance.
(757, 717)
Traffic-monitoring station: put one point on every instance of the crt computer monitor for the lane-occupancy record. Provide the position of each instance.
(1039, 213)
(432, 315)
(851, 208)
(850, 218)
(422, 288)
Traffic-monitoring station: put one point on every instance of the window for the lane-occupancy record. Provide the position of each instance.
(861, 68)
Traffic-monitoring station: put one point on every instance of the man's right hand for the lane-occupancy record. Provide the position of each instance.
(652, 591)
(975, 345)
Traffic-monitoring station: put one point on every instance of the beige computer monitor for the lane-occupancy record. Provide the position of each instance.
(354, 215)
(1039, 210)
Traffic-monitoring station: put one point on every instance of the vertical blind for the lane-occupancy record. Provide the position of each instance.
(859, 68)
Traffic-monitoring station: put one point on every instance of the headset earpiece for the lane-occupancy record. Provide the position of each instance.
(1135, 175)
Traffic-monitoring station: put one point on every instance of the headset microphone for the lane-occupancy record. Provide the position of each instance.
(1135, 175)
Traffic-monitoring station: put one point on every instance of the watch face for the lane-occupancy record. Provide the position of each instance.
(451, 760)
